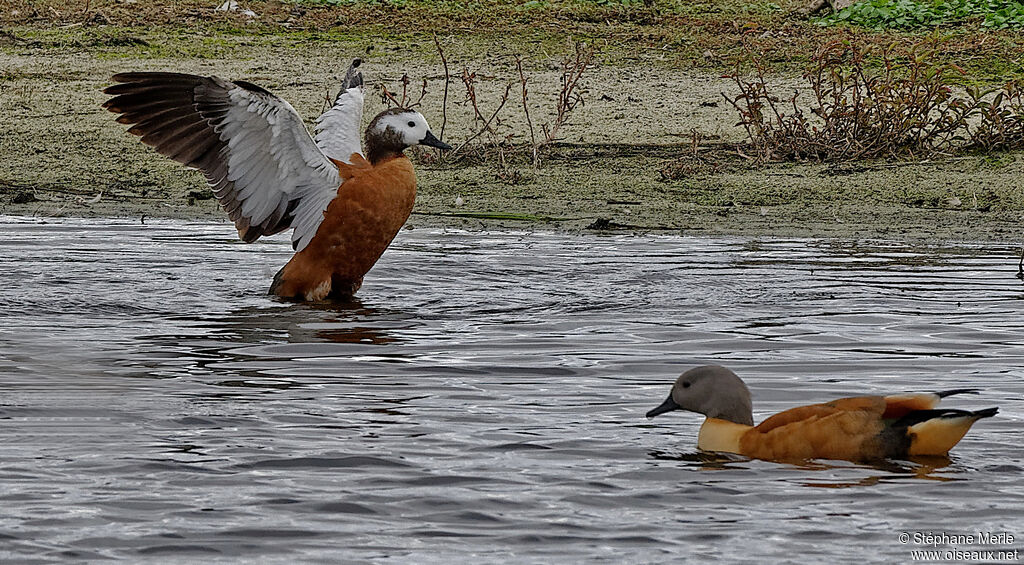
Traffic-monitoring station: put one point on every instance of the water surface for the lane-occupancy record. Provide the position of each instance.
(483, 399)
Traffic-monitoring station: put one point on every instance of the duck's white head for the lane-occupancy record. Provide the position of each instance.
(396, 129)
(711, 390)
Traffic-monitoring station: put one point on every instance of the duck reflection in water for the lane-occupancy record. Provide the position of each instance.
(348, 321)
(920, 467)
(251, 343)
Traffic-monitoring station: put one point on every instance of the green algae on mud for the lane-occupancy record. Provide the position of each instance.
(63, 155)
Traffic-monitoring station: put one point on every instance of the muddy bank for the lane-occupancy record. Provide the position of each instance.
(618, 168)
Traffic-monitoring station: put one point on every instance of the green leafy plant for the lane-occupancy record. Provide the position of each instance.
(916, 14)
(1000, 118)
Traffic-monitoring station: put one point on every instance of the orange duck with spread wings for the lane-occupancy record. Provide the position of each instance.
(855, 429)
(269, 174)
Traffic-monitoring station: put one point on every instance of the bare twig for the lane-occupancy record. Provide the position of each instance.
(447, 81)
(405, 89)
(571, 94)
(487, 123)
(327, 101)
(423, 93)
(388, 98)
(469, 80)
(405, 100)
(526, 109)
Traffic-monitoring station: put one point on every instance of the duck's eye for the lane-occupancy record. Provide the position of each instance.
(686, 385)
(412, 124)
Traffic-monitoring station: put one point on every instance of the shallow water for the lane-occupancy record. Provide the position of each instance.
(483, 400)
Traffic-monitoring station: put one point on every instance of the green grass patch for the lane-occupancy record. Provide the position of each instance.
(497, 216)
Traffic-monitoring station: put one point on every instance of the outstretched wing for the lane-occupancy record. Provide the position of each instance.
(337, 129)
(260, 161)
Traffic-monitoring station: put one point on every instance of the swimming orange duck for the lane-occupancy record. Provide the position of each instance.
(269, 174)
(855, 429)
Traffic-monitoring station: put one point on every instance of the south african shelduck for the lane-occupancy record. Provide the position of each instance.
(269, 174)
(856, 429)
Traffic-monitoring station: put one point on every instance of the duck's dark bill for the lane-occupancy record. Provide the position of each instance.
(667, 406)
(435, 142)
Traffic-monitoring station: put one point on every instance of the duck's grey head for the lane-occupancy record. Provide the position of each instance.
(399, 128)
(711, 390)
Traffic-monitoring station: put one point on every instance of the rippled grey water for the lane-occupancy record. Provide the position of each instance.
(484, 399)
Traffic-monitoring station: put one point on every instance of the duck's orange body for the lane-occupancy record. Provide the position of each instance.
(856, 429)
(373, 203)
(849, 428)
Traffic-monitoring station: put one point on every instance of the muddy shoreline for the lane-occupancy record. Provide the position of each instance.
(63, 155)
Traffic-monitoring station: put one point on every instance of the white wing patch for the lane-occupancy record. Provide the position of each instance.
(337, 129)
(274, 164)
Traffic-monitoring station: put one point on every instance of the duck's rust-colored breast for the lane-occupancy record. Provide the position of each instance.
(372, 205)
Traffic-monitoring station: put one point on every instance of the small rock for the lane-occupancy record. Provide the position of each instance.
(99, 19)
(194, 196)
(232, 6)
(24, 197)
(603, 224)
